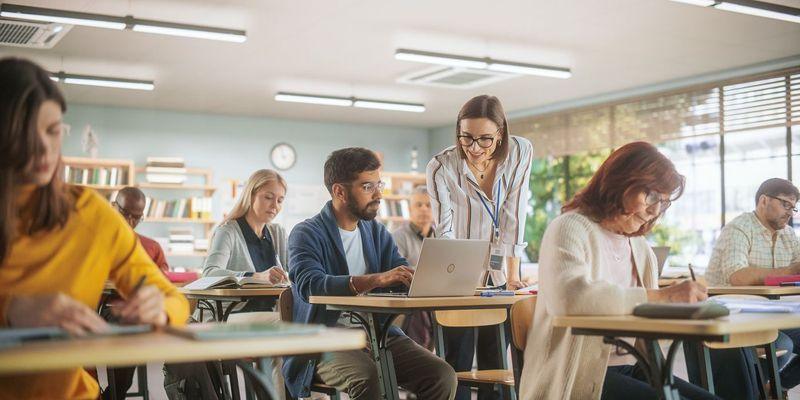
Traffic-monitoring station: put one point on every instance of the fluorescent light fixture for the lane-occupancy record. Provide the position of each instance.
(59, 16)
(441, 59)
(761, 9)
(389, 105)
(119, 23)
(751, 7)
(89, 80)
(314, 99)
(530, 69)
(701, 3)
(193, 31)
(482, 63)
(349, 102)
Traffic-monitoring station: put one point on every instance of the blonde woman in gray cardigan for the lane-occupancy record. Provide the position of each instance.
(247, 243)
(595, 261)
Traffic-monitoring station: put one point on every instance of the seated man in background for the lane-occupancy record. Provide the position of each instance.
(759, 244)
(188, 378)
(409, 237)
(130, 202)
(343, 251)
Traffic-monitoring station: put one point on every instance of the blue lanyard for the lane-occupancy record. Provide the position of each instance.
(496, 215)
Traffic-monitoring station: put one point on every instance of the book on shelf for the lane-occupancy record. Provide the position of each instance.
(394, 208)
(181, 240)
(201, 244)
(190, 208)
(104, 176)
(165, 170)
(231, 282)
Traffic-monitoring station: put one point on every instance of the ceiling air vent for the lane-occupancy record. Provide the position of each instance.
(454, 77)
(35, 35)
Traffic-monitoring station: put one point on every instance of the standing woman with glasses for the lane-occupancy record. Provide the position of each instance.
(479, 190)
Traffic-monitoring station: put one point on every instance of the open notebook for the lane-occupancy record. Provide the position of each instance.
(15, 337)
(231, 282)
(222, 331)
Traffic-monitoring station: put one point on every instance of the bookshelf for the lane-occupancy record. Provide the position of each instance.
(399, 186)
(104, 175)
(190, 209)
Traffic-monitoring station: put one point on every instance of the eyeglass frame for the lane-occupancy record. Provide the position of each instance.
(473, 140)
(127, 214)
(379, 185)
(787, 205)
(663, 204)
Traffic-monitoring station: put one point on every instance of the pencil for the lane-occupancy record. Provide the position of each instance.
(691, 271)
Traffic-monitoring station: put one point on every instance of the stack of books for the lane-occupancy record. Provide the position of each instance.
(193, 208)
(181, 240)
(165, 170)
(109, 176)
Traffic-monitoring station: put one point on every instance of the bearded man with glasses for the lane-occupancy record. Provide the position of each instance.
(751, 247)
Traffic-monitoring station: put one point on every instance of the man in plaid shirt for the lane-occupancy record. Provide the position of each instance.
(751, 247)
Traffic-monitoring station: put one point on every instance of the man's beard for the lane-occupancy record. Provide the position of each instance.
(364, 213)
(779, 223)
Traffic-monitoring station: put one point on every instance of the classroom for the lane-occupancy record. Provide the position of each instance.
(351, 199)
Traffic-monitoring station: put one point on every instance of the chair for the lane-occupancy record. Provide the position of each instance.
(501, 378)
(521, 323)
(285, 304)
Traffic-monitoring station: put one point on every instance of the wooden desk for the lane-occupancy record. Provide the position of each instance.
(215, 298)
(365, 308)
(160, 346)
(612, 328)
(770, 292)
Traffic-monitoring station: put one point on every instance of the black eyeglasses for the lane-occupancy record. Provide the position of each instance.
(127, 214)
(483, 141)
(654, 198)
(788, 206)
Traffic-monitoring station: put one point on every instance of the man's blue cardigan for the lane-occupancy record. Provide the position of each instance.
(318, 267)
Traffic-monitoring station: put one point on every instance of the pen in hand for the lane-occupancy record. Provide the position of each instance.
(691, 271)
(116, 318)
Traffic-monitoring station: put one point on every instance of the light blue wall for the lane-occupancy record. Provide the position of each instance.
(440, 138)
(233, 147)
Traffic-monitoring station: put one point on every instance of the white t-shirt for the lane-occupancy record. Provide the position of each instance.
(354, 252)
(356, 264)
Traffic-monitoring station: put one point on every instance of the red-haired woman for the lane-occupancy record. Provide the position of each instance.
(595, 260)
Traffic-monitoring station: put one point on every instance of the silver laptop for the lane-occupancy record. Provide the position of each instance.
(661, 257)
(447, 267)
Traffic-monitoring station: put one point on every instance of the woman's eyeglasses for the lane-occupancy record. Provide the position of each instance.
(654, 198)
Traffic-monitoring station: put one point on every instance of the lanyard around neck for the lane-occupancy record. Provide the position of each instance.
(496, 215)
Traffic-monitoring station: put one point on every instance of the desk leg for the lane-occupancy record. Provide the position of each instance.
(694, 350)
(263, 385)
(662, 369)
(508, 391)
(776, 391)
(382, 356)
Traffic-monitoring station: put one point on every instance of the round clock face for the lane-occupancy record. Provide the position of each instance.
(283, 156)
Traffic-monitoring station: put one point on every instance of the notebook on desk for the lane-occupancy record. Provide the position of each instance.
(15, 337)
(227, 330)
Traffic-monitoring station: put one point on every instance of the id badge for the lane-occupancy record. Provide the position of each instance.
(496, 254)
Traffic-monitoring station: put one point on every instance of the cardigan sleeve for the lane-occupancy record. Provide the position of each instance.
(219, 253)
(565, 273)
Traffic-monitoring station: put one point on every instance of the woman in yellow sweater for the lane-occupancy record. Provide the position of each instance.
(59, 243)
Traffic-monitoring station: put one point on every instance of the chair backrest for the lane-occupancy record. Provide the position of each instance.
(522, 321)
(470, 318)
(744, 340)
(285, 304)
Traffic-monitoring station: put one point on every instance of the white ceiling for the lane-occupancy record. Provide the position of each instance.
(346, 47)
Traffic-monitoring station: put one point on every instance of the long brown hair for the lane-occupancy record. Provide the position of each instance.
(489, 107)
(24, 87)
(633, 168)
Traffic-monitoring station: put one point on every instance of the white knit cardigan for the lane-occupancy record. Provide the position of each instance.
(574, 280)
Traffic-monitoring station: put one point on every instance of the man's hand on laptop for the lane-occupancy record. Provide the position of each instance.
(396, 276)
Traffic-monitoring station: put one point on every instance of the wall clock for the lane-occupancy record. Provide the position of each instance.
(283, 156)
